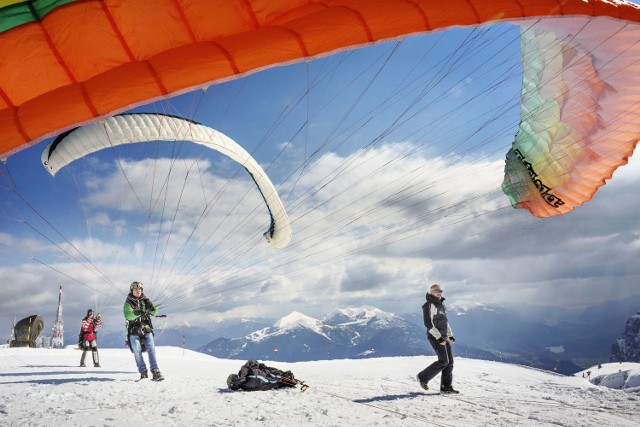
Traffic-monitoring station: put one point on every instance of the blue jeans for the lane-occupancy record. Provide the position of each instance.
(137, 352)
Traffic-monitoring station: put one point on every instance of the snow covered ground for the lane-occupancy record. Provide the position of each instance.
(621, 376)
(43, 387)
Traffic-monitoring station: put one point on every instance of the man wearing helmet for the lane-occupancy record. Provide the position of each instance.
(138, 310)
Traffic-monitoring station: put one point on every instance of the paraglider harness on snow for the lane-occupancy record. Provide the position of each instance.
(256, 376)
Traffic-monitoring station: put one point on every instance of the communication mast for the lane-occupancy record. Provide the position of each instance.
(13, 332)
(58, 326)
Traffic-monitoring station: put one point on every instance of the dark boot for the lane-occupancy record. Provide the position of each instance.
(144, 375)
(448, 390)
(423, 384)
(157, 376)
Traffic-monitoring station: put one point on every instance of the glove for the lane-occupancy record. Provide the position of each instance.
(441, 340)
(452, 340)
(139, 312)
(150, 306)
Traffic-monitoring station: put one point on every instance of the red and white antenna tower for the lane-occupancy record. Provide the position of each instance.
(58, 326)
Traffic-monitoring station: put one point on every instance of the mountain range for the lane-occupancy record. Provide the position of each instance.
(543, 337)
(627, 347)
(343, 333)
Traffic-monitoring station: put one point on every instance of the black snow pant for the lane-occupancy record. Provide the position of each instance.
(444, 364)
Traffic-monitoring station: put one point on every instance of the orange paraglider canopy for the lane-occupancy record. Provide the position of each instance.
(65, 63)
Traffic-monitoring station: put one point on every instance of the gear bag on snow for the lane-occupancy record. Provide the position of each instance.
(256, 376)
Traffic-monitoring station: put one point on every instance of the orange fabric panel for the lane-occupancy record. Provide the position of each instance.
(388, 19)
(4, 101)
(124, 85)
(39, 115)
(276, 45)
(298, 13)
(238, 18)
(230, 36)
(191, 65)
(610, 9)
(28, 67)
(545, 7)
(78, 39)
(500, 9)
(11, 137)
(265, 11)
(150, 26)
(330, 29)
(456, 12)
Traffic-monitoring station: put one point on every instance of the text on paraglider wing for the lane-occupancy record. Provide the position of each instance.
(545, 191)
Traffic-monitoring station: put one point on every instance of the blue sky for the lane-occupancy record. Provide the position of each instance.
(389, 161)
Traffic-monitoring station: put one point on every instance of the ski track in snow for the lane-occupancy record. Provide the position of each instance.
(44, 387)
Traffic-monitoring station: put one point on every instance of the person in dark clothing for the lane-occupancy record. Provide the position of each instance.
(138, 310)
(440, 338)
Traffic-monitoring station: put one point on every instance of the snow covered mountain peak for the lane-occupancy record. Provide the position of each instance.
(464, 305)
(295, 319)
(292, 321)
(358, 315)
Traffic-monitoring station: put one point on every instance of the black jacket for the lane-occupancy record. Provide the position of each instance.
(435, 318)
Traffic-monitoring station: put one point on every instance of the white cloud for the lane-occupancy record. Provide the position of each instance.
(376, 227)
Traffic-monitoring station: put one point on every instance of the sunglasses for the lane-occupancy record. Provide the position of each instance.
(438, 291)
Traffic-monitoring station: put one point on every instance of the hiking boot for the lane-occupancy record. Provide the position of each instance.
(448, 390)
(144, 375)
(96, 365)
(422, 383)
(82, 365)
(157, 376)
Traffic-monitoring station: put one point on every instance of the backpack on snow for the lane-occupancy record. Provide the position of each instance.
(256, 376)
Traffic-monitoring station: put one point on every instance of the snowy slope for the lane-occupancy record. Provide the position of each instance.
(618, 375)
(44, 387)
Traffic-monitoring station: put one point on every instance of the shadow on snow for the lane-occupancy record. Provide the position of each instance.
(59, 381)
(388, 397)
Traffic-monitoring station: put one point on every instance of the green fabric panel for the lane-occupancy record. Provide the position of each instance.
(29, 11)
